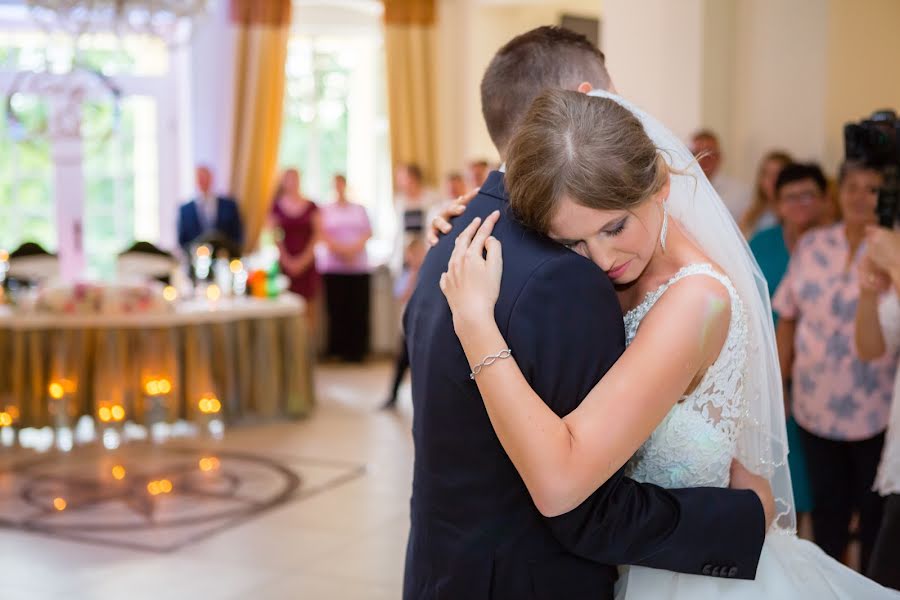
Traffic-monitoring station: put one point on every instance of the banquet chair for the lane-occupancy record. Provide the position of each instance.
(219, 244)
(30, 263)
(146, 261)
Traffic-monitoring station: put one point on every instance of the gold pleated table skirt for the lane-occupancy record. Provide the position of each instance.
(258, 364)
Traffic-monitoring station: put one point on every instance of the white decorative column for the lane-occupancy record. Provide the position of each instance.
(210, 86)
(68, 186)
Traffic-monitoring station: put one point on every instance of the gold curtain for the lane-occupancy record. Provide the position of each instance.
(410, 49)
(263, 29)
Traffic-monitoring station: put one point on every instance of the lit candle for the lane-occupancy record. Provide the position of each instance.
(209, 463)
(8, 417)
(202, 262)
(210, 411)
(213, 292)
(58, 406)
(56, 390)
(155, 413)
(118, 472)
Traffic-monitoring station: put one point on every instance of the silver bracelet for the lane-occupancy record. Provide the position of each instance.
(488, 361)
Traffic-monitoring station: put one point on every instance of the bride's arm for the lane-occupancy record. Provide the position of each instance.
(563, 460)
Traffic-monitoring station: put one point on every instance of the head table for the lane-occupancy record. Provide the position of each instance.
(237, 357)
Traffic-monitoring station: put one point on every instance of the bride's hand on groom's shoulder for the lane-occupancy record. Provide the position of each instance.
(742, 479)
(472, 281)
(440, 225)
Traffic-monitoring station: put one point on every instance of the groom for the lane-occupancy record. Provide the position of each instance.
(475, 531)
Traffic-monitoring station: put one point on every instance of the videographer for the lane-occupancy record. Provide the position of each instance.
(877, 334)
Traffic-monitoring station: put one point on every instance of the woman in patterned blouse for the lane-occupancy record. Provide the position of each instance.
(840, 402)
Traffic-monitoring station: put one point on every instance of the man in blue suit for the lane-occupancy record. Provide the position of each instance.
(209, 215)
(475, 532)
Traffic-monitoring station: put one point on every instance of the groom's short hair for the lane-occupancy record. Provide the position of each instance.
(543, 58)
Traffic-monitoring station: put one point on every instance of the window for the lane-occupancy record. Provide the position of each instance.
(26, 175)
(315, 111)
(117, 145)
(121, 202)
(335, 110)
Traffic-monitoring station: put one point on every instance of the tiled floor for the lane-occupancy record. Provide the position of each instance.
(345, 543)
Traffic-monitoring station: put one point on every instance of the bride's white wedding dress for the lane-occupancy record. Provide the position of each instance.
(693, 447)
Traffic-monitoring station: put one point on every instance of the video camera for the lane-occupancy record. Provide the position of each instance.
(876, 142)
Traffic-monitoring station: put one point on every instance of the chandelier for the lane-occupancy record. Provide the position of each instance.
(170, 20)
(67, 91)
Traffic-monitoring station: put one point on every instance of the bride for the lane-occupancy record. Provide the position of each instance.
(699, 383)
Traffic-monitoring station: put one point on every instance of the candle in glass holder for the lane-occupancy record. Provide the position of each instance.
(156, 407)
(111, 415)
(222, 274)
(157, 487)
(208, 464)
(239, 277)
(202, 262)
(9, 416)
(59, 408)
(213, 293)
(211, 415)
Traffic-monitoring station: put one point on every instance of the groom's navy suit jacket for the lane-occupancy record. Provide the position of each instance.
(475, 532)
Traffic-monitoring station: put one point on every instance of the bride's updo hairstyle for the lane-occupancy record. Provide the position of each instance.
(588, 148)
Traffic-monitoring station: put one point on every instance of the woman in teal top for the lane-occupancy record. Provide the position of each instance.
(771, 252)
(800, 191)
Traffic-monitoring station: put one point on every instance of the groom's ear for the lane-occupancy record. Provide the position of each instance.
(585, 87)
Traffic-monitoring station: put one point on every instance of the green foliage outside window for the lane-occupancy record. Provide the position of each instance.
(27, 197)
(314, 129)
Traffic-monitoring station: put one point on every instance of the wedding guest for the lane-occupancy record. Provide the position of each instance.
(456, 185)
(877, 334)
(833, 212)
(344, 266)
(209, 215)
(297, 220)
(413, 203)
(799, 192)
(735, 194)
(478, 172)
(412, 198)
(403, 289)
(763, 210)
(839, 402)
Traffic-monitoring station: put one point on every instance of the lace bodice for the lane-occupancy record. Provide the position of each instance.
(694, 444)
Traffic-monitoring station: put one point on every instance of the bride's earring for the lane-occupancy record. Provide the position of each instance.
(665, 227)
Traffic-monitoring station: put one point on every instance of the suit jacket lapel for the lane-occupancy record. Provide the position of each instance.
(199, 214)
